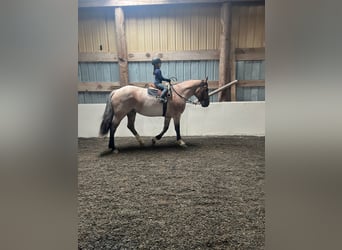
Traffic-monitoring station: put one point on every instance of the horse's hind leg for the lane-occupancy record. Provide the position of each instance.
(116, 122)
(130, 125)
(166, 127)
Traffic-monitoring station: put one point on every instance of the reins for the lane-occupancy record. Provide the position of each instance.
(185, 99)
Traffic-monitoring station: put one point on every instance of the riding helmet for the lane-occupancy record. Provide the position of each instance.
(156, 60)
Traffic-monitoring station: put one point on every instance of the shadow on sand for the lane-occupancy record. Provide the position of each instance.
(165, 147)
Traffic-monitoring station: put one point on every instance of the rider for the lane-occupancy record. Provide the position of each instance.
(156, 62)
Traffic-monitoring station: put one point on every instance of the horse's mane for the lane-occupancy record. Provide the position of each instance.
(192, 80)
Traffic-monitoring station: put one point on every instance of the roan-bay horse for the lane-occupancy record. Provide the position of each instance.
(129, 100)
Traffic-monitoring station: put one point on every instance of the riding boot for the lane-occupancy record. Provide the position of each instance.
(162, 96)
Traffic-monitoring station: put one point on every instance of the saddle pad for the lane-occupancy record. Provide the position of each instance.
(152, 92)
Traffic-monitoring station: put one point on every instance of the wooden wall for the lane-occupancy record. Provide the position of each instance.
(96, 27)
(248, 26)
(187, 33)
(170, 28)
(173, 28)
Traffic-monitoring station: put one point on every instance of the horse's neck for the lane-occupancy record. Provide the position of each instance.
(188, 88)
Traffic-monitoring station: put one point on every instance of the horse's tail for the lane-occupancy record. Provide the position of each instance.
(107, 116)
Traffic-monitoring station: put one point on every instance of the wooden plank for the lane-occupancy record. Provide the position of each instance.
(171, 30)
(211, 15)
(223, 87)
(109, 86)
(148, 32)
(103, 34)
(251, 83)
(110, 22)
(234, 39)
(140, 40)
(155, 32)
(107, 3)
(243, 54)
(251, 26)
(175, 55)
(187, 28)
(178, 16)
(163, 37)
(81, 33)
(243, 26)
(188, 55)
(98, 86)
(131, 31)
(217, 30)
(94, 24)
(259, 38)
(202, 28)
(194, 31)
(97, 57)
(224, 48)
(121, 45)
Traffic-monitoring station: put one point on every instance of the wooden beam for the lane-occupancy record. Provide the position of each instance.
(224, 48)
(110, 86)
(251, 83)
(98, 86)
(223, 87)
(234, 38)
(97, 57)
(250, 54)
(121, 45)
(115, 3)
(189, 55)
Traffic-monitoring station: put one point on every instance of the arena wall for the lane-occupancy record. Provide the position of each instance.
(221, 118)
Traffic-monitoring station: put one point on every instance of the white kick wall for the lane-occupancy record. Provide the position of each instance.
(225, 118)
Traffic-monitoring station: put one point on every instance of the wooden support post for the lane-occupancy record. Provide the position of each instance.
(121, 45)
(234, 37)
(224, 48)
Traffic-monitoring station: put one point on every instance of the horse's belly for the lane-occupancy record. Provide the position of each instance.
(151, 110)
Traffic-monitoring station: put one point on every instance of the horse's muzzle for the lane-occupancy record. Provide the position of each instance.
(205, 103)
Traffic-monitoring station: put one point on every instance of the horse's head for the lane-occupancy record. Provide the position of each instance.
(202, 93)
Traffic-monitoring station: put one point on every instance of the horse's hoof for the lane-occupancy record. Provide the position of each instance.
(115, 151)
(182, 143)
(140, 141)
(154, 141)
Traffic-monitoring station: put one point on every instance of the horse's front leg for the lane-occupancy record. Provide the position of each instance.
(177, 128)
(166, 127)
(130, 125)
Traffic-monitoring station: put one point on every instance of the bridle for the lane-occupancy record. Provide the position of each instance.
(203, 84)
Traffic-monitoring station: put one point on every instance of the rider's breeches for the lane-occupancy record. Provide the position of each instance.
(162, 88)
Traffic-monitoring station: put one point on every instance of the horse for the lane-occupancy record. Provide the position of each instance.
(129, 100)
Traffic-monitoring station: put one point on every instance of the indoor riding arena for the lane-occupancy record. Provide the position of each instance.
(206, 194)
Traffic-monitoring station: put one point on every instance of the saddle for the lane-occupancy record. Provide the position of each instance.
(153, 91)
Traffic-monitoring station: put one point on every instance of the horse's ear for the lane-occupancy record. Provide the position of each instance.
(206, 79)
